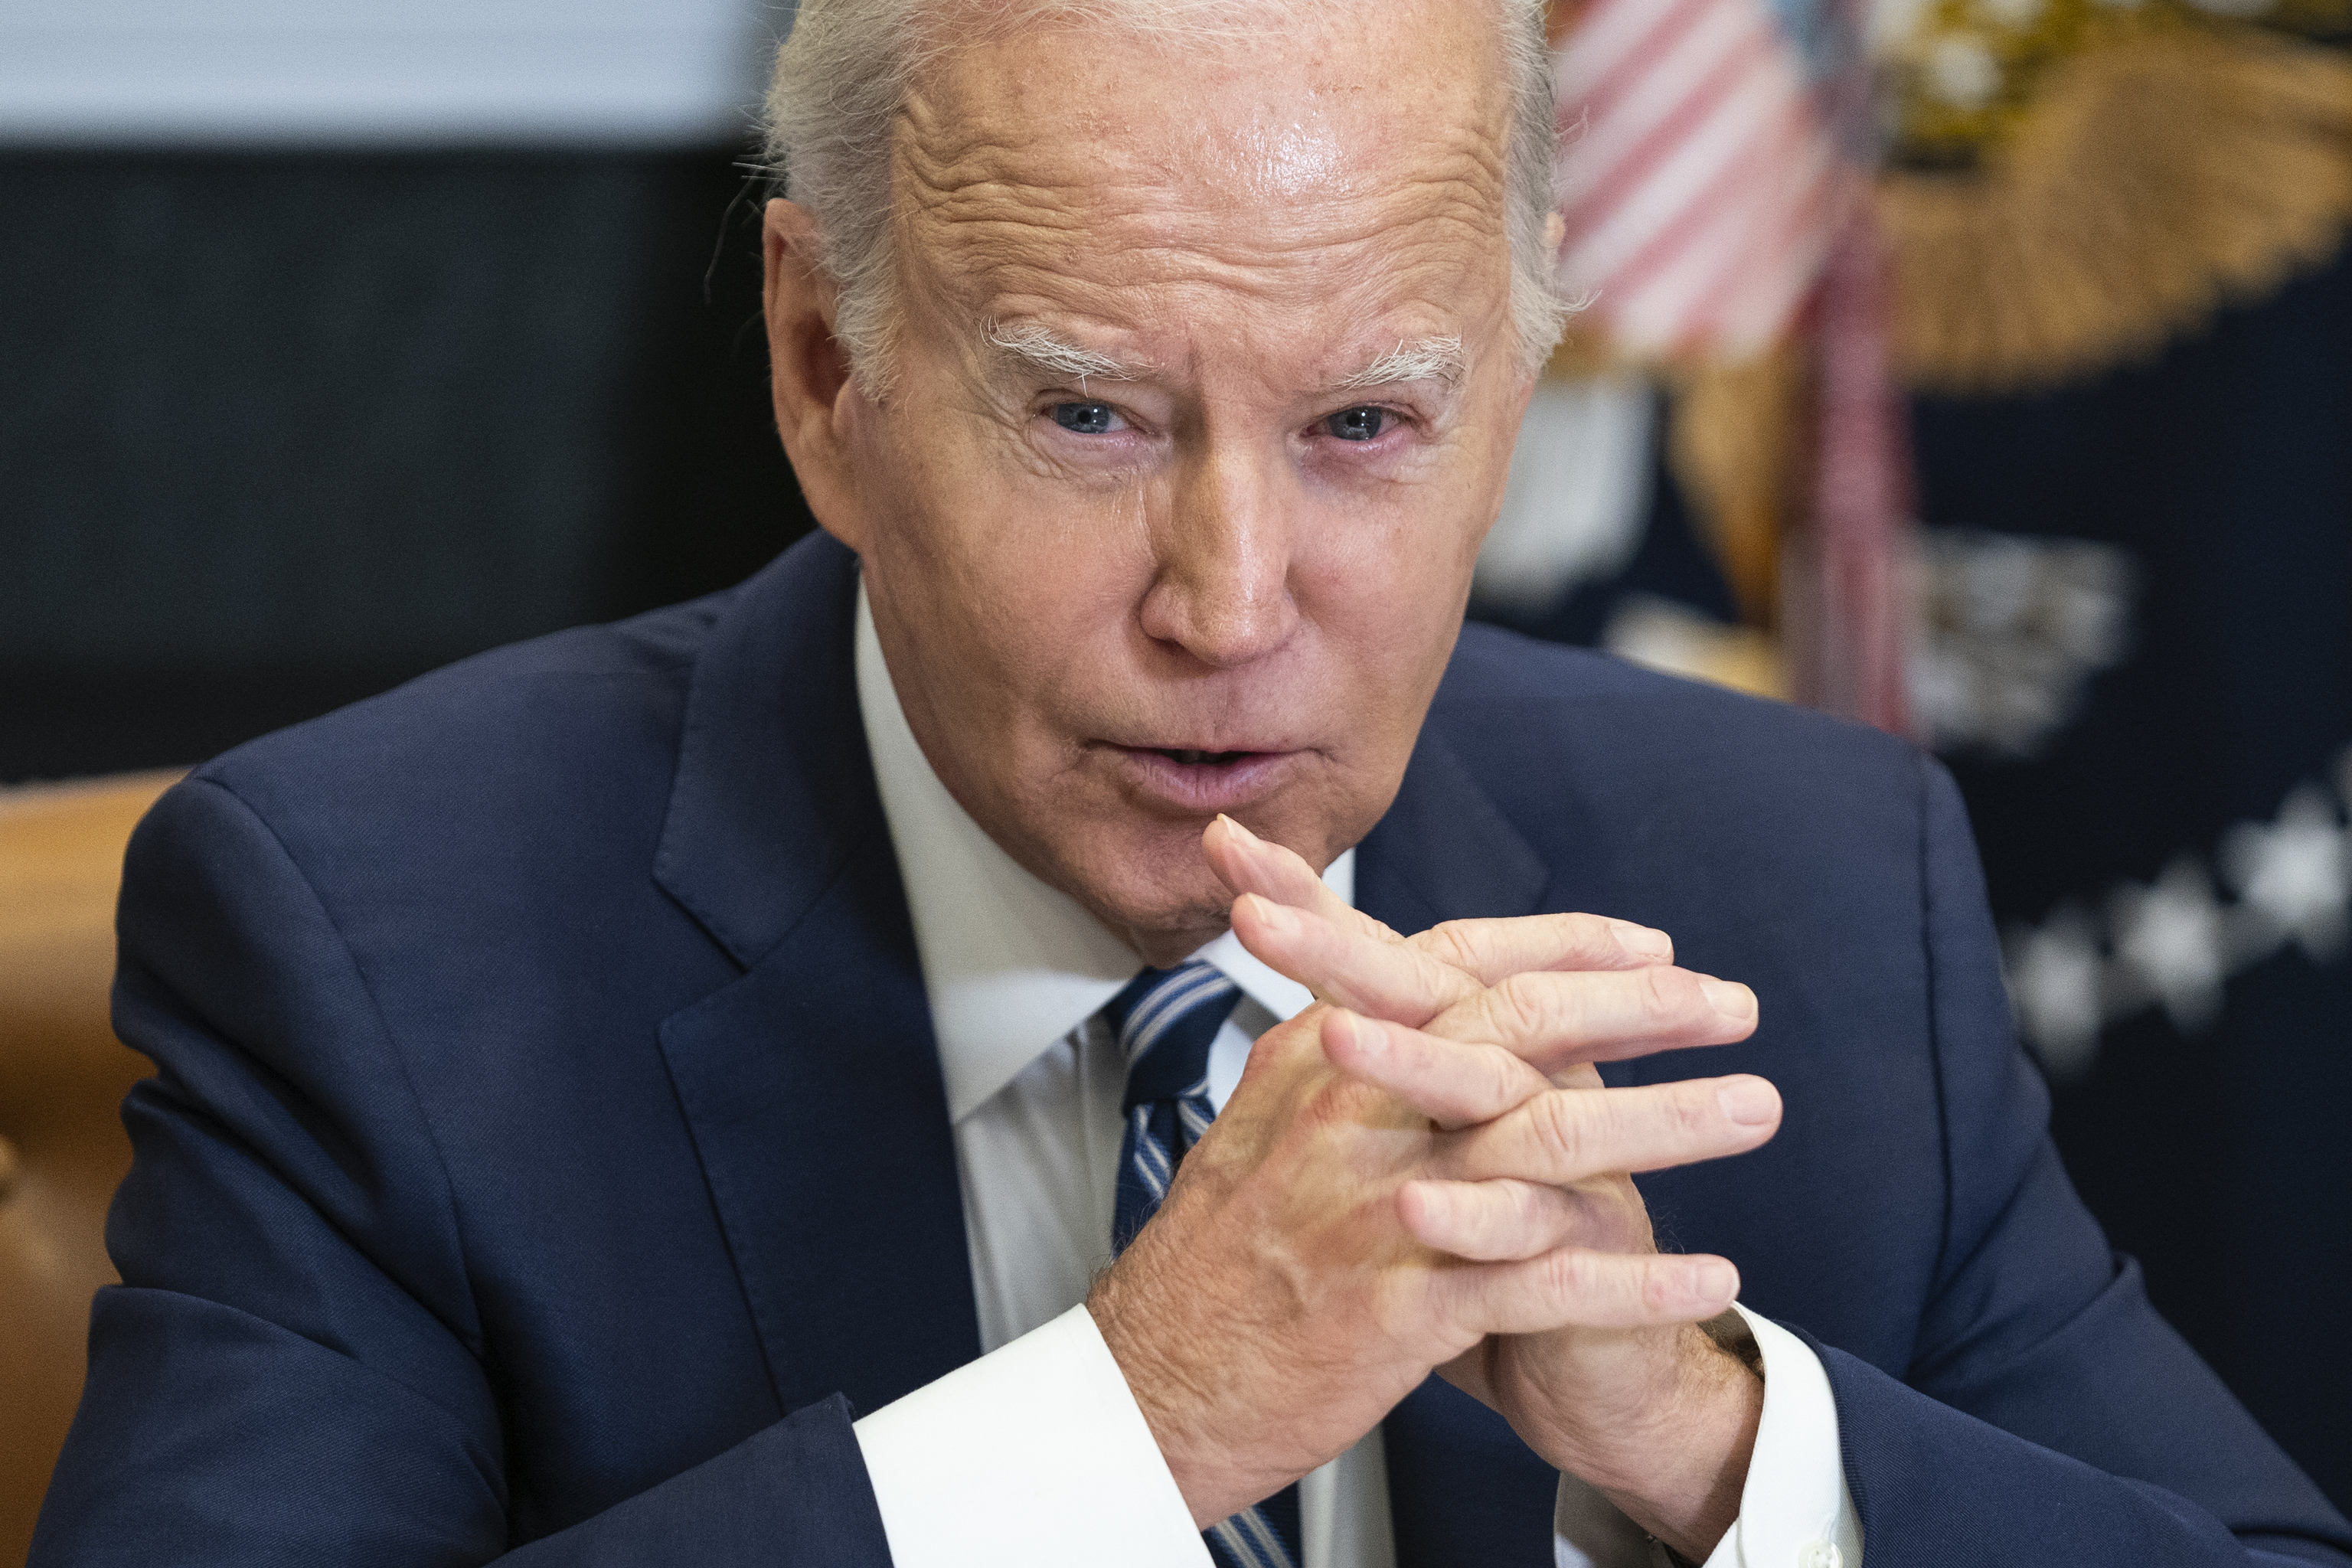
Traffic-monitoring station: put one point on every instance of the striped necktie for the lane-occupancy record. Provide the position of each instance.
(1165, 1020)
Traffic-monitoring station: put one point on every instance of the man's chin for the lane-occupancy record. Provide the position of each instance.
(1143, 871)
(1164, 922)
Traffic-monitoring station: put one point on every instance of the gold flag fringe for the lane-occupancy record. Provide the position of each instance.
(1731, 444)
(2150, 181)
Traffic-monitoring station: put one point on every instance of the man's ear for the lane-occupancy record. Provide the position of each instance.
(808, 372)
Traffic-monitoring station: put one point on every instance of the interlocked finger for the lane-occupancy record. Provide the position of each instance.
(1489, 951)
(1455, 1083)
(1342, 963)
(1248, 864)
(1485, 950)
(1498, 1221)
(1552, 1019)
(1567, 1135)
(1572, 1287)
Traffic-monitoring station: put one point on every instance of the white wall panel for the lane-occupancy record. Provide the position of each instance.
(347, 73)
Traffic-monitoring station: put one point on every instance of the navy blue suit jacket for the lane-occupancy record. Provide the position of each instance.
(547, 1154)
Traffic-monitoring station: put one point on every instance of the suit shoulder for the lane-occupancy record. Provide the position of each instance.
(545, 725)
(1582, 692)
(1536, 723)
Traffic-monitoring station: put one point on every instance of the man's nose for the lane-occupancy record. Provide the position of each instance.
(1222, 557)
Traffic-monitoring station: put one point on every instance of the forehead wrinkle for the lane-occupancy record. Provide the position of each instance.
(1005, 185)
(1061, 172)
(1004, 254)
(1440, 250)
(1044, 203)
(991, 180)
(1413, 299)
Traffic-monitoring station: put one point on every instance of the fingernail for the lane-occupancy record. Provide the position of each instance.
(1278, 919)
(1714, 1280)
(1641, 941)
(1728, 997)
(1750, 1102)
(1365, 1037)
(1244, 832)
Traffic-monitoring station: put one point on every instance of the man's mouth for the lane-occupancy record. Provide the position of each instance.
(1196, 778)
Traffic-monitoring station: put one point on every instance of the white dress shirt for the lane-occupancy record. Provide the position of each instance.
(1036, 1453)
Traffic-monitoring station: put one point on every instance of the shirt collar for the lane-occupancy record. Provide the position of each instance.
(1011, 963)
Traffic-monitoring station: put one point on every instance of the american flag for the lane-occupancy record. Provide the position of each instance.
(1712, 175)
(1699, 175)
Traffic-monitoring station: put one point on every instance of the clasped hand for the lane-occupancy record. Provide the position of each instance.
(1423, 1170)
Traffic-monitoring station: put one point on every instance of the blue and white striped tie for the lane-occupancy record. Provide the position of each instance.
(1165, 1020)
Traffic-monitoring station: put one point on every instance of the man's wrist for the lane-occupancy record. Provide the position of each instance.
(1159, 1388)
(1680, 1472)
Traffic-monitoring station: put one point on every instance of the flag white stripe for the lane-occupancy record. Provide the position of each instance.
(1659, 94)
(1681, 179)
(1704, 190)
(1606, 36)
(1757, 314)
(1658, 304)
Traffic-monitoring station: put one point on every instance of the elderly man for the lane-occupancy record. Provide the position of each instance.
(674, 1093)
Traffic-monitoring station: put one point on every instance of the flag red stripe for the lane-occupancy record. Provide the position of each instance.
(1778, 227)
(1698, 103)
(1702, 210)
(1673, 22)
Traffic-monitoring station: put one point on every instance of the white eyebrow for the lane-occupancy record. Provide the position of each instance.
(1431, 359)
(1040, 350)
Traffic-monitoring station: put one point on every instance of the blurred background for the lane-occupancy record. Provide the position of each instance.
(1980, 369)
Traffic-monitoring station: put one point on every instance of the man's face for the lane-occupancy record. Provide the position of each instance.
(1220, 568)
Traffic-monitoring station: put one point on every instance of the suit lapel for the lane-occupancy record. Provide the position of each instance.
(1444, 851)
(812, 1083)
(1464, 1491)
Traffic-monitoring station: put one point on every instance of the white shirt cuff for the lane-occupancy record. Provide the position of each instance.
(1035, 1454)
(1794, 1510)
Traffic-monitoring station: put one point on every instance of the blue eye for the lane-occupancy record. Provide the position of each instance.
(1358, 423)
(1087, 419)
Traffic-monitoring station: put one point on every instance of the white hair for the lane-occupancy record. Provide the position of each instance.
(1431, 359)
(843, 72)
(1035, 346)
